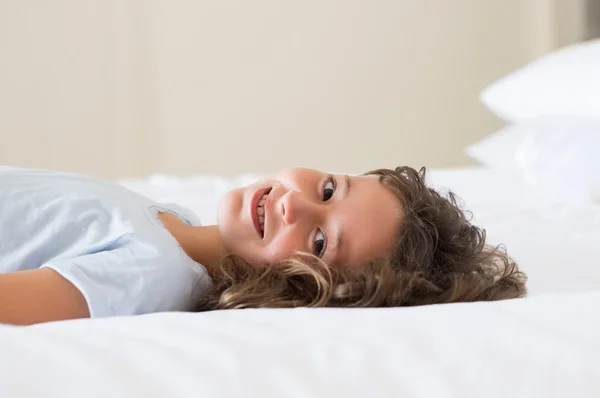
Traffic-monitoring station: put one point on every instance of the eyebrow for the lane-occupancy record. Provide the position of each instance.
(340, 234)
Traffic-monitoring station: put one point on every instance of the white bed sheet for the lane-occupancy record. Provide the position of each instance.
(540, 347)
(544, 346)
(555, 243)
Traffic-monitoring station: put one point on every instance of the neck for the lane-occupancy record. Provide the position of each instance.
(203, 244)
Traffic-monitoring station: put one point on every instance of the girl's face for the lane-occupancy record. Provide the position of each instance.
(346, 221)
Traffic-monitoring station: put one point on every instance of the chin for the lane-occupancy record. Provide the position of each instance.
(229, 208)
(229, 212)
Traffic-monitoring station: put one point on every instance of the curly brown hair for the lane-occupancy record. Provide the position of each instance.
(438, 257)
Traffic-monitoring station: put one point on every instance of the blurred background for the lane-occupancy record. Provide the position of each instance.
(119, 88)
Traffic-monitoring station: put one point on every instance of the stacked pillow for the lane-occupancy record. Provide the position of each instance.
(552, 110)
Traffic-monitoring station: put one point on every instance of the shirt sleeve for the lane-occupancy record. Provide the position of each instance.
(123, 282)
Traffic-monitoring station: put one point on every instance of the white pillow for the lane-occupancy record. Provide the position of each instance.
(566, 82)
(560, 156)
(498, 150)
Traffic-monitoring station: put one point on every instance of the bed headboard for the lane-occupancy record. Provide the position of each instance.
(592, 20)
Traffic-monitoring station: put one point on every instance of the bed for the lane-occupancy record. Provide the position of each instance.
(546, 345)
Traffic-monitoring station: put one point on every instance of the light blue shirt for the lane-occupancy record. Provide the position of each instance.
(105, 239)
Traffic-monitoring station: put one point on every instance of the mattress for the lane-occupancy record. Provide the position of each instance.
(546, 345)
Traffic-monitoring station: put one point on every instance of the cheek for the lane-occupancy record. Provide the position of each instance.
(298, 178)
(287, 174)
(260, 256)
(281, 248)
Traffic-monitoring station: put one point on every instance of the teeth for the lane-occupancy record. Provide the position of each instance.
(262, 200)
(260, 211)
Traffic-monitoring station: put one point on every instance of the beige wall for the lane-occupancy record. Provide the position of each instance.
(129, 88)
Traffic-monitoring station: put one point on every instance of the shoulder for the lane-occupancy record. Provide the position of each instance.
(134, 278)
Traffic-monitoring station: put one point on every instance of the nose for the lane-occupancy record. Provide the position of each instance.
(294, 205)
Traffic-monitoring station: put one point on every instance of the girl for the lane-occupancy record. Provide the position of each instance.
(76, 247)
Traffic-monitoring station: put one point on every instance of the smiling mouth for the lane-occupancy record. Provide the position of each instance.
(259, 211)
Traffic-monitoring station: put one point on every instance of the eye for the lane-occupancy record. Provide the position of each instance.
(329, 189)
(320, 244)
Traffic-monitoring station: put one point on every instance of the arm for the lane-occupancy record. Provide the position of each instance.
(40, 295)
